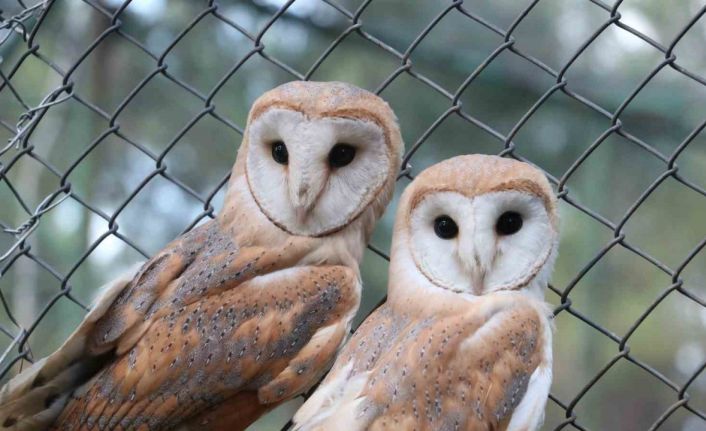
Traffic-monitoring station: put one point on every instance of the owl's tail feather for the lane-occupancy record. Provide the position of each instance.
(33, 399)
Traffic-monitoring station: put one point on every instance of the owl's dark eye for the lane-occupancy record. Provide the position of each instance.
(341, 155)
(445, 227)
(509, 223)
(279, 153)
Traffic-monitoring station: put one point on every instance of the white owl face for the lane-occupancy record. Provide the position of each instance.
(312, 176)
(500, 240)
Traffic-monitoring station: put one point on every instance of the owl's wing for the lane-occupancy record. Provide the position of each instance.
(246, 348)
(34, 398)
(505, 368)
(488, 369)
(27, 394)
(349, 374)
(200, 263)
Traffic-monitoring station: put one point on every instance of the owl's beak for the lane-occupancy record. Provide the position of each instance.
(475, 253)
(477, 275)
(304, 191)
(302, 201)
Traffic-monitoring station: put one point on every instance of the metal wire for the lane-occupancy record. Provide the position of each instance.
(28, 18)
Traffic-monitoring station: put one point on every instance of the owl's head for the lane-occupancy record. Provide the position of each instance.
(318, 155)
(478, 224)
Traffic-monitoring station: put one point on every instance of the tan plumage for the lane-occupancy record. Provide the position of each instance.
(468, 353)
(245, 311)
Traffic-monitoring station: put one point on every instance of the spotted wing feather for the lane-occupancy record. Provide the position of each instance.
(201, 263)
(35, 397)
(460, 372)
(271, 337)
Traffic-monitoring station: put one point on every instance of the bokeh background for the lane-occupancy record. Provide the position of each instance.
(151, 101)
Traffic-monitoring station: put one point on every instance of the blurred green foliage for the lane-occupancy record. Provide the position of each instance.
(614, 293)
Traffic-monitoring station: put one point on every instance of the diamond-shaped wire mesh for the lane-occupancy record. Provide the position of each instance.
(120, 120)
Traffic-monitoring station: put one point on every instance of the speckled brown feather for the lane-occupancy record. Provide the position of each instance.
(33, 399)
(227, 321)
(197, 354)
(463, 370)
(453, 369)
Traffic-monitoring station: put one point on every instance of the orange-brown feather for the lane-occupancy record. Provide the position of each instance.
(212, 330)
(462, 370)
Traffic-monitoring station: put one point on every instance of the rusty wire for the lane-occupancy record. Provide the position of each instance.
(31, 15)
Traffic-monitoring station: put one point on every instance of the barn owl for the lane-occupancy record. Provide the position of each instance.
(247, 310)
(463, 341)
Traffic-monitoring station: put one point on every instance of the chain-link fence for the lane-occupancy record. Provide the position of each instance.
(119, 123)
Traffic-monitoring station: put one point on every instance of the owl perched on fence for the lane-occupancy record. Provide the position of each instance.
(247, 310)
(464, 339)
